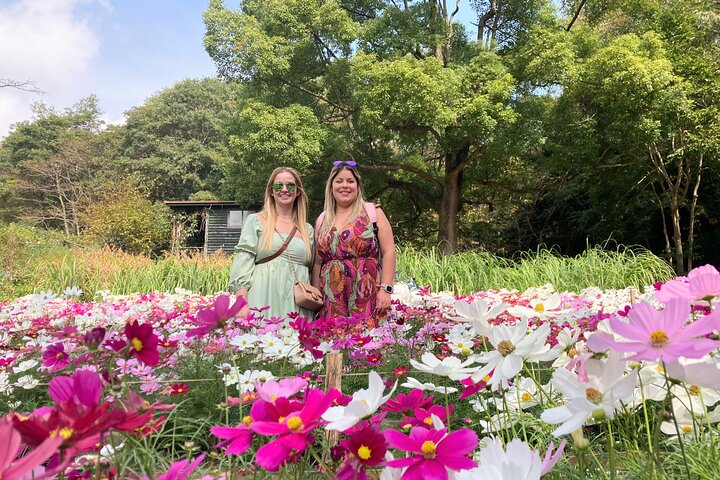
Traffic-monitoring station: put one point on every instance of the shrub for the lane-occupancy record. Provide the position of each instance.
(129, 221)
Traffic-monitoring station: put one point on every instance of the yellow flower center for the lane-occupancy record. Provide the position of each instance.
(295, 423)
(281, 419)
(428, 420)
(364, 452)
(505, 348)
(659, 339)
(428, 449)
(460, 345)
(137, 344)
(686, 428)
(247, 420)
(526, 397)
(486, 378)
(694, 390)
(64, 432)
(539, 307)
(180, 390)
(59, 355)
(572, 352)
(594, 395)
(466, 351)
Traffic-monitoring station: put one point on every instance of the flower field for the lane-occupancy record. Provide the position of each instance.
(496, 385)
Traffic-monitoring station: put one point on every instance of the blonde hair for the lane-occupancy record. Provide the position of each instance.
(331, 205)
(299, 211)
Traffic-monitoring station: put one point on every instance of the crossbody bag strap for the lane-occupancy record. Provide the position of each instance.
(282, 248)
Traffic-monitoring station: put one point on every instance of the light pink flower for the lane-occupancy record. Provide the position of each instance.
(663, 334)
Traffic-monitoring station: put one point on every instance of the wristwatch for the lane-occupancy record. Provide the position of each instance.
(387, 287)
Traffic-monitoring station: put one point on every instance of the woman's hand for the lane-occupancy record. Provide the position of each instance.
(244, 311)
(383, 301)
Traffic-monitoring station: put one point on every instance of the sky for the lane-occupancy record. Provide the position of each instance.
(123, 51)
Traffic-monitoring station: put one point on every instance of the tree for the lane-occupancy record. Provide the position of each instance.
(47, 162)
(399, 88)
(175, 142)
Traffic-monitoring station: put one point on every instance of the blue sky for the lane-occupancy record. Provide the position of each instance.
(123, 51)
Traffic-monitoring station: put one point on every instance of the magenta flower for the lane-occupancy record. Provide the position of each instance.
(10, 467)
(55, 357)
(663, 334)
(423, 417)
(367, 448)
(432, 452)
(181, 470)
(294, 430)
(237, 440)
(216, 316)
(142, 343)
(406, 403)
(84, 388)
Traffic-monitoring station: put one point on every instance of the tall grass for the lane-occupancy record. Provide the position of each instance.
(468, 272)
(32, 260)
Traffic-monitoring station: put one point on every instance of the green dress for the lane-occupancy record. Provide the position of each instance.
(270, 284)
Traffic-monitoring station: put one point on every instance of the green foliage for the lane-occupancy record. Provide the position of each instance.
(262, 138)
(175, 142)
(127, 220)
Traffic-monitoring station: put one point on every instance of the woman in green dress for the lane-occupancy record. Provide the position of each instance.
(270, 283)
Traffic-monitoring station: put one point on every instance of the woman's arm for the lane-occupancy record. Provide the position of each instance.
(387, 248)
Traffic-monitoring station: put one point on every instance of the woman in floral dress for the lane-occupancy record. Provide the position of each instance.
(347, 266)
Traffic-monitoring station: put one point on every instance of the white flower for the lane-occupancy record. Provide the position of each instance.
(451, 367)
(606, 389)
(687, 422)
(28, 382)
(72, 292)
(25, 366)
(518, 462)
(543, 309)
(460, 343)
(478, 312)
(5, 386)
(242, 342)
(523, 394)
(363, 404)
(704, 373)
(499, 421)
(412, 383)
(512, 345)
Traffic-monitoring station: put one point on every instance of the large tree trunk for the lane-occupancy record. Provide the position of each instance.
(451, 200)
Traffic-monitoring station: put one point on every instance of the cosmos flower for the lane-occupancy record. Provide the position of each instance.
(451, 367)
(432, 453)
(517, 461)
(55, 358)
(664, 334)
(363, 404)
(142, 343)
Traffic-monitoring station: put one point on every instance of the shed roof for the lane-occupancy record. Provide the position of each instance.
(200, 203)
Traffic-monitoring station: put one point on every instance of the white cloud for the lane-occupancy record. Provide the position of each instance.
(48, 42)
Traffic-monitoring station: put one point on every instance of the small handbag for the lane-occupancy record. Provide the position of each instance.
(307, 296)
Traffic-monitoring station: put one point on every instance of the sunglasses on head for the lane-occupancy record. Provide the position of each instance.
(278, 186)
(349, 163)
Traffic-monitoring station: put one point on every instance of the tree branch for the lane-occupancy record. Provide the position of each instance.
(416, 190)
(407, 168)
(575, 17)
(312, 94)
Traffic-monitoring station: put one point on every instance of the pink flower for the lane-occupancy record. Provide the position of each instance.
(663, 334)
(287, 387)
(293, 429)
(180, 470)
(10, 467)
(142, 342)
(217, 315)
(405, 403)
(702, 283)
(433, 452)
(237, 440)
(84, 388)
(55, 357)
(367, 448)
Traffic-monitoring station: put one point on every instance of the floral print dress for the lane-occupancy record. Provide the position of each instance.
(350, 268)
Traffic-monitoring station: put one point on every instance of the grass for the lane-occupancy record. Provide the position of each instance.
(33, 260)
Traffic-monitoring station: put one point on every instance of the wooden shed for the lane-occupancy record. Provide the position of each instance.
(218, 223)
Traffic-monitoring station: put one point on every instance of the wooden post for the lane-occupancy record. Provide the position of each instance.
(333, 379)
(633, 296)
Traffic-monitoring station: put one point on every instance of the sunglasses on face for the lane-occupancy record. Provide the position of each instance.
(278, 186)
(349, 163)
